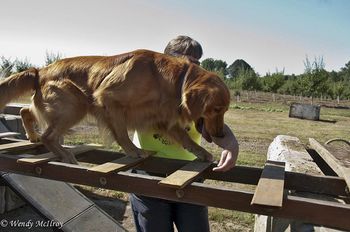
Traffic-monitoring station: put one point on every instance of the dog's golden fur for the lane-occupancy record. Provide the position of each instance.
(137, 90)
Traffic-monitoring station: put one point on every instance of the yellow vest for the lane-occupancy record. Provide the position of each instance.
(165, 148)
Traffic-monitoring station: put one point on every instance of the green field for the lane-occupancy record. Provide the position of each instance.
(255, 126)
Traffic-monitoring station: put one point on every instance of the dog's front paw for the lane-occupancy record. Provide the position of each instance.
(35, 138)
(70, 160)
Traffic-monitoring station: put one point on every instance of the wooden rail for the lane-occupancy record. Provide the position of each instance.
(9, 134)
(333, 162)
(111, 172)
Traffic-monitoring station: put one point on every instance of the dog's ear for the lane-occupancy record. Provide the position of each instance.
(193, 102)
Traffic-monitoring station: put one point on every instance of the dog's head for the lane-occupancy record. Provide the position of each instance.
(207, 98)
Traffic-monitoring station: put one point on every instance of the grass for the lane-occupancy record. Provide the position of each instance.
(260, 123)
(228, 220)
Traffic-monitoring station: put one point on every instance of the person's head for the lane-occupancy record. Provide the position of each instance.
(184, 46)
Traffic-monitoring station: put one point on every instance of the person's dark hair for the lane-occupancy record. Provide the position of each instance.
(184, 46)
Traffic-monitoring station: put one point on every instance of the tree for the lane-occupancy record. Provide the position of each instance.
(334, 76)
(345, 72)
(272, 82)
(290, 86)
(315, 77)
(51, 57)
(220, 68)
(22, 65)
(217, 66)
(338, 89)
(236, 66)
(6, 66)
(247, 79)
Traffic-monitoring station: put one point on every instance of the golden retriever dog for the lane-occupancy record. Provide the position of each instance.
(136, 90)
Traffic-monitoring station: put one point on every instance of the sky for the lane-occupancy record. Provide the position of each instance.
(270, 35)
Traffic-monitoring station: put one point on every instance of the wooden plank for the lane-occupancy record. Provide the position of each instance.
(16, 146)
(240, 174)
(269, 191)
(333, 162)
(320, 212)
(329, 185)
(117, 165)
(37, 159)
(9, 134)
(184, 176)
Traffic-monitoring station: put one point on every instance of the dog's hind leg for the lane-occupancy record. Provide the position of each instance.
(56, 128)
(50, 139)
(62, 105)
(29, 122)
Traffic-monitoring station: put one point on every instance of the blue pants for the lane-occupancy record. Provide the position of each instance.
(158, 215)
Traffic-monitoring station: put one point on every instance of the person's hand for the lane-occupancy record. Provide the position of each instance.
(227, 161)
(230, 153)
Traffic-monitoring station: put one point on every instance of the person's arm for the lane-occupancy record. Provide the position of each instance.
(230, 153)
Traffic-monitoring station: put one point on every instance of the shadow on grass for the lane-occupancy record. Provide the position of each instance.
(327, 121)
(319, 120)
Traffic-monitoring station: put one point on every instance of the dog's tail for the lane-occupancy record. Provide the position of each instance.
(17, 85)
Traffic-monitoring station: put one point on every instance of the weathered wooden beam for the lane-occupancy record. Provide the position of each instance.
(333, 162)
(17, 146)
(314, 211)
(12, 140)
(329, 185)
(185, 175)
(269, 191)
(117, 165)
(37, 159)
(46, 157)
(241, 174)
(250, 175)
(9, 134)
